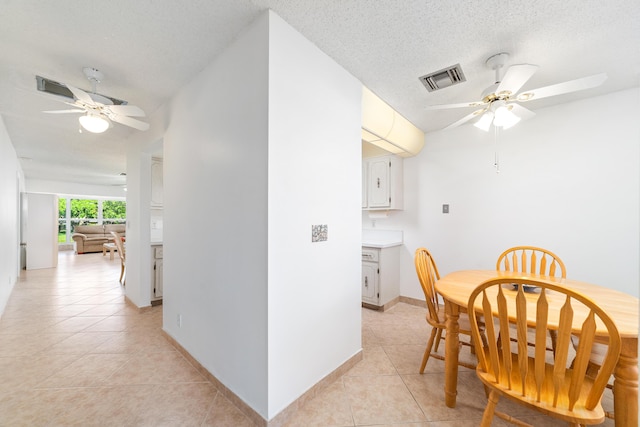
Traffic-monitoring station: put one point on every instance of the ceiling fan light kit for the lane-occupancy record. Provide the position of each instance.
(98, 110)
(95, 123)
(499, 102)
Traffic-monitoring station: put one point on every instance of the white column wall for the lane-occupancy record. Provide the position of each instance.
(314, 178)
(215, 217)
(11, 185)
(261, 145)
(568, 182)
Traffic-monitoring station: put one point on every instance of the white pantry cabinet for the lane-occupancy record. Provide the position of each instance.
(382, 183)
(156, 272)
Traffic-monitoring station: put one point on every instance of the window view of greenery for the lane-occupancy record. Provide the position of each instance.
(88, 212)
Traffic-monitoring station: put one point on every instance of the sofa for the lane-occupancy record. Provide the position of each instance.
(90, 238)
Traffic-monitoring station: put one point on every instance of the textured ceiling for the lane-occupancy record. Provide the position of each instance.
(148, 49)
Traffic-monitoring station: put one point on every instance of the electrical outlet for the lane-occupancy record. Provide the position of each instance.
(179, 320)
(445, 208)
(319, 233)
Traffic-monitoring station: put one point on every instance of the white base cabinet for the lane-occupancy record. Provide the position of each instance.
(380, 276)
(156, 272)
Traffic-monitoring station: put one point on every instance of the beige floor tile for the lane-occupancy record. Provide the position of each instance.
(28, 344)
(89, 370)
(428, 390)
(374, 362)
(79, 343)
(223, 413)
(177, 405)
(330, 408)
(381, 399)
(134, 342)
(155, 368)
(405, 358)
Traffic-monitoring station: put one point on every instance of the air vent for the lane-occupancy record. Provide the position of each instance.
(55, 88)
(443, 78)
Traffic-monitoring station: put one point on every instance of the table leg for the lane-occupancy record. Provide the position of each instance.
(452, 341)
(111, 253)
(625, 385)
(104, 250)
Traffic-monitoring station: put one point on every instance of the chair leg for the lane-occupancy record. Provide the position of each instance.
(121, 272)
(438, 338)
(487, 416)
(427, 352)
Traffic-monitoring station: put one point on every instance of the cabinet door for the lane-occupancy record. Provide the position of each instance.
(365, 167)
(157, 187)
(370, 282)
(157, 289)
(379, 196)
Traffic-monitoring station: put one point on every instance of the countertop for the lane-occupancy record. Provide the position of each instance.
(381, 238)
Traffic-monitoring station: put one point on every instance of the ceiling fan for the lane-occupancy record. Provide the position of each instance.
(500, 102)
(99, 111)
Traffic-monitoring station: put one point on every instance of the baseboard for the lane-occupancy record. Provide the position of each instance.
(256, 418)
(413, 301)
(383, 307)
(132, 304)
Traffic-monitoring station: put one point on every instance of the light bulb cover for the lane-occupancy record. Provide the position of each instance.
(504, 117)
(485, 121)
(95, 123)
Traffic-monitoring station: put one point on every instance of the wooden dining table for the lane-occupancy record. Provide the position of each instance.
(456, 287)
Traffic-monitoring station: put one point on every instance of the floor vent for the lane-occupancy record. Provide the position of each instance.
(55, 88)
(443, 78)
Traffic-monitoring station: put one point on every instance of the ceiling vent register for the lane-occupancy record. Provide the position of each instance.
(446, 77)
(55, 88)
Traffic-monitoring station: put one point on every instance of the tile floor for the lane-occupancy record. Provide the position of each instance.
(73, 354)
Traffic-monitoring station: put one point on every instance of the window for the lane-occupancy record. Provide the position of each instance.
(72, 212)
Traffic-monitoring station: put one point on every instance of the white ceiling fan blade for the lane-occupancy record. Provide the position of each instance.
(520, 111)
(81, 95)
(128, 121)
(127, 110)
(64, 111)
(566, 87)
(460, 105)
(465, 119)
(515, 77)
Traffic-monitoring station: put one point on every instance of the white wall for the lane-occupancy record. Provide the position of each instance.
(11, 185)
(568, 182)
(261, 145)
(215, 217)
(314, 178)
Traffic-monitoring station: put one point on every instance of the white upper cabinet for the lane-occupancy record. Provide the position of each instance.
(382, 182)
(157, 188)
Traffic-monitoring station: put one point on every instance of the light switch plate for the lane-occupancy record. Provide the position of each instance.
(319, 233)
(445, 208)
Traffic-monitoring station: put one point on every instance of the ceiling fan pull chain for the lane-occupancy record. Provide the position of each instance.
(496, 159)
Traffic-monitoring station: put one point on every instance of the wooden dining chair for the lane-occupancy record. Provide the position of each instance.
(534, 260)
(117, 239)
(428, 275)
(559, 388)
(531, 259)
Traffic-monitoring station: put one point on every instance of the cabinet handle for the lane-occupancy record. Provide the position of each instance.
(378, 182)
(366, 281)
